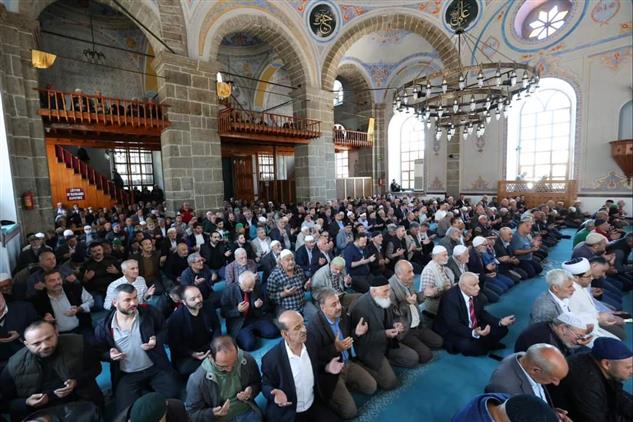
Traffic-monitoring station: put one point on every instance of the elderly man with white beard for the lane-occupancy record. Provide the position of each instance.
(435, 280)
(379, 348)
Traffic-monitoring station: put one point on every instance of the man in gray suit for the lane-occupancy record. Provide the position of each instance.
(528, 373)
(555, 300)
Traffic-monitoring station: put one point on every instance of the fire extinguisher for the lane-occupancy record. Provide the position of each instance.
(27, 200)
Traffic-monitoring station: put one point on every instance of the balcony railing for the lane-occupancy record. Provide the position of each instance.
(93, 177)
(266, 126)
(115, 114)
(351, 138)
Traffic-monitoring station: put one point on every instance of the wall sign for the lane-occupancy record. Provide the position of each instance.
(75, 194)
(461, 14)
(322, 18)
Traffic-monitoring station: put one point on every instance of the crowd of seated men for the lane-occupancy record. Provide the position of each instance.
(175, 303)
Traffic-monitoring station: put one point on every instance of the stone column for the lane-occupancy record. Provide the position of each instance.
(192, 163)
(24, 128)
(380, 148)
(314, 163)
(452, 165)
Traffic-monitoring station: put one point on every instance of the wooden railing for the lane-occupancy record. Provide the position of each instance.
(254, 123)
(539, 192)
(79, 108)
(88, 173)
(351, 138)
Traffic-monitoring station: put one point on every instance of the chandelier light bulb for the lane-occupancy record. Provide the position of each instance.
(488, 103)
(428, 123)
(455, 106)
(488, 117)
(470, 128)
(444, 85)
(428, 89)
(480, 79)
(438, 133)
(513, 78)
(462, 82)
(480, 130)
(500, 105)
(497, 115)
(524, 80)
(472, 103)
(498, 77)
(440, 111)
(427, 113)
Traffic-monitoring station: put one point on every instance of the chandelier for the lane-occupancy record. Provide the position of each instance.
(93, 55)
(466, 98)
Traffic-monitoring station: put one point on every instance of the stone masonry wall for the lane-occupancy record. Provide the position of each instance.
(191, 145)
(25, 132)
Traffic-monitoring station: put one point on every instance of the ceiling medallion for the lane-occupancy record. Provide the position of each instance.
(466, 98)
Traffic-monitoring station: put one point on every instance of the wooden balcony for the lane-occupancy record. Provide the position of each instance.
(539, 192)
(348, 139)
(266, 127)
(75, 114)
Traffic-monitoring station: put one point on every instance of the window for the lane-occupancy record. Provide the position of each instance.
(342, 164)
(545, 19)
(338, 93)
(541, 132)
(266, 166)
(406, 145)
(135, 166)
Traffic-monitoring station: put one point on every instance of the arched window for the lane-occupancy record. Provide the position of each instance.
(625, 128)
(406, 145)
(338, 93)
(541, 133)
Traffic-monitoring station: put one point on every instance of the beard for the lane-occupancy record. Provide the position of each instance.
(382, 302)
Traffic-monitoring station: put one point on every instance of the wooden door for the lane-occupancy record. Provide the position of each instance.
(243, 177)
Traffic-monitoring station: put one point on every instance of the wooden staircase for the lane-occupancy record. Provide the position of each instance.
(69, 172)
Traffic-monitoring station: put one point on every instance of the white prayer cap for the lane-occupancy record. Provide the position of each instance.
(571, 320)
(309, 238)
(479, 240)
(285, 253)
(438, 250)
(262, 219)
(305, 228)
(577, 266)
(459, 250)
(275, 243)
(4, 276)
(593, 238)
(464, 209)
(40, 235)
(350, 214)
(68, 233)
(572, 209)
(143, 223)
(87, 228)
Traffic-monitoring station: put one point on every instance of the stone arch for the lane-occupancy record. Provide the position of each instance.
(137, 8)
(376, 22)
(283, 37)
(357, 82)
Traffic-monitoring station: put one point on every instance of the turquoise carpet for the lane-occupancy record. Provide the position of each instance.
(436, 391)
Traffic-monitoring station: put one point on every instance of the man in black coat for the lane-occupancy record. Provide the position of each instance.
(379, 348)
(65, 304)
(215, 253)
(567, 332)
(51, 370)
(245, 309)
(331, 334)
(293, 359)
(270, 260)
(307, 257)
(592, 392)
(464, 324)
(14, 318)
(131, 338)
(189, 331)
